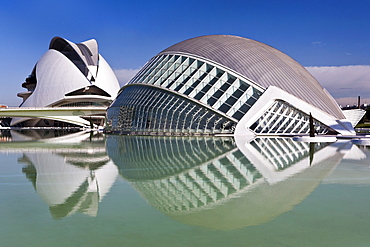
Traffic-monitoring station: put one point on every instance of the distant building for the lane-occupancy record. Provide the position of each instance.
(221, 84)
(68, 75)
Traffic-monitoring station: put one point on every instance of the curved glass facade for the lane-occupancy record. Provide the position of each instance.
(202, 89)
(202, 81)
(147, 110)
(223, 99)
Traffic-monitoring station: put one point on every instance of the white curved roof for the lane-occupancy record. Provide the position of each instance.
(60, 44)
(106, 79)
(57, 74)
(68, 68)
(262, 64)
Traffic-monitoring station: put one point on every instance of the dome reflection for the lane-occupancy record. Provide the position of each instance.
(223, 183)
(71, 173)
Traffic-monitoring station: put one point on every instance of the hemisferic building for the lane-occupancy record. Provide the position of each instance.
(223, 84)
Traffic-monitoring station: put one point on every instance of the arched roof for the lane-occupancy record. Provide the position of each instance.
(262, 64)
(87, 51)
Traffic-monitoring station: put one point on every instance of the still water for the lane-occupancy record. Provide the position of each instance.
(88, 189)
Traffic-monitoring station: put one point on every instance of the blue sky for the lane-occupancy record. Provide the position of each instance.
(326, 34)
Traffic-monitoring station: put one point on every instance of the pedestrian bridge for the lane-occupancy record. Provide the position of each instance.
(68, 114)
(41, 112)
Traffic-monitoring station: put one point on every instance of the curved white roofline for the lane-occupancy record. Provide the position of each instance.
(65, 68)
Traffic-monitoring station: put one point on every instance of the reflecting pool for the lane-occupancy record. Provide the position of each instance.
(89, 189)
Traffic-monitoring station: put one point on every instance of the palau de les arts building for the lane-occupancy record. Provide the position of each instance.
(222, 84)
(69, 75)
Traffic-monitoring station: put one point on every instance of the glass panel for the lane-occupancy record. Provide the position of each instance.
(151, 111)
(200, 81)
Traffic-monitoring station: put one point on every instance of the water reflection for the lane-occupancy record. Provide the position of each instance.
(221, 182)
(70, 171)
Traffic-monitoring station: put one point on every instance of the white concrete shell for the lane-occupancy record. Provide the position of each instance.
(56, 75)
(70, 74)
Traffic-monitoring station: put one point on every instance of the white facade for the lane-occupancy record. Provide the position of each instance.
(69, 74)
(354, 115)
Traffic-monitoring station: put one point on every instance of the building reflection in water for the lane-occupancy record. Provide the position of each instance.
(223, 183)
(220, 182)
(71, 172)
